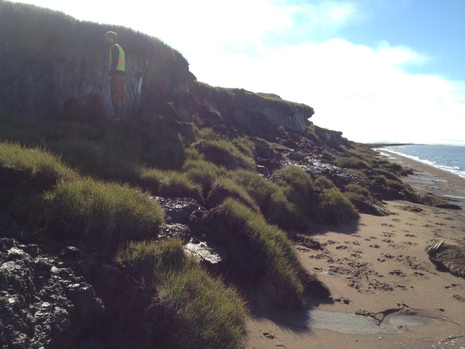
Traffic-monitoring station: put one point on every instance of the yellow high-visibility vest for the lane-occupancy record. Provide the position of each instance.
(121, 66)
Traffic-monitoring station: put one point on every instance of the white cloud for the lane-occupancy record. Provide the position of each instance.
(361, 91)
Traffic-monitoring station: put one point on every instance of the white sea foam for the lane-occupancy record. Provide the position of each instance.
(447, 158)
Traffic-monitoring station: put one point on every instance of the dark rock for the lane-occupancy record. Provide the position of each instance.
(263, 171)
(308, 242)
(43, 305)
(448, 206)
(174, 229)
(70, 253)
(450, 258)
(85, 109)
(178, 210)
(207, 253)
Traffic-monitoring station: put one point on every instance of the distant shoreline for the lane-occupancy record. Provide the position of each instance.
(427, 178)
(382, 145)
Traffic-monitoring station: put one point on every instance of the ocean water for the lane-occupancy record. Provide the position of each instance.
(445, 157)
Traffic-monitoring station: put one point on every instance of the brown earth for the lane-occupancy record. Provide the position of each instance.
(379, 268)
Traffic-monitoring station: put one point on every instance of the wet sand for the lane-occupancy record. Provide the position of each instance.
(378, 270)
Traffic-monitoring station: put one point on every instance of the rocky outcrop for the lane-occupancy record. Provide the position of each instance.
(44, 304)
(259, 113)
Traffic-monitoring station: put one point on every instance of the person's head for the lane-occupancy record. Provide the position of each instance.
(111, 37)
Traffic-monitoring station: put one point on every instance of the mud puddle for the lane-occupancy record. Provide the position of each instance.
(359, 324)
(351, 323)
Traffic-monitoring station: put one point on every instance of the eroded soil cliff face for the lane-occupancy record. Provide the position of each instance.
(50, 58)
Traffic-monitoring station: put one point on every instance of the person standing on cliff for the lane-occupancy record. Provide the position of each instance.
(116, 73)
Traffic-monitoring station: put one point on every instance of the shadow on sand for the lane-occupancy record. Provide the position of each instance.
(296, 321)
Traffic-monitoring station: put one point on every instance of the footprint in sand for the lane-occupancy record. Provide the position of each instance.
(452, 286)
(459, 297)
(269, 335)
(397, 272)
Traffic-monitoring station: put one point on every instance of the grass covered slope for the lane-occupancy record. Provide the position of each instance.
(208, 314)
(97, 191)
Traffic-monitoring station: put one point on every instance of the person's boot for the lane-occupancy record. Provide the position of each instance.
(121, 112)
(117, 115)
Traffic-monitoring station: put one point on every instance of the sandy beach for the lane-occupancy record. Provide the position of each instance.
(386, 292)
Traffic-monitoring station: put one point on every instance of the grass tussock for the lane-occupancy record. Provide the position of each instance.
(352, 162)
(298, 188)
(362, 199)
(209, 315)
(103, 212)
(334, 207)
(203, 173)
(224, 153)
(271, 199)
(169, 184)
(33, 160)
(263, 255)
(91, 157)
(224, 188)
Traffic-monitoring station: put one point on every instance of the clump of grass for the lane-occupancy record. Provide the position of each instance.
(169, 183)
(388, 174)
(33, 161)
(352, 162)
(245, 146)
(324, 182)
(334, 207)
(25, 173)
(362, 199)
(93, 158)
(357, 173)
(261, 254)
(224, 153)
(226, 187)
(91, 210)
(203, 173)
(208, 314)
(269, 196)
(25, 132)
(298, 188)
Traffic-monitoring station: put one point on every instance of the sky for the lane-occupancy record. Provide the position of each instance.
(376, 70)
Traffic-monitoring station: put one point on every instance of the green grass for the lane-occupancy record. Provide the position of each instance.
(388, 174)
(208, 314)
(298, 188)
(169, 183)
(271, 199)
(332, 206)
(336, 208)
(203, 173)
(33, 160)
(352, 162)
(225, 154)
(362, 199)
(262, 255)
(226, 187)
(102, 212)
